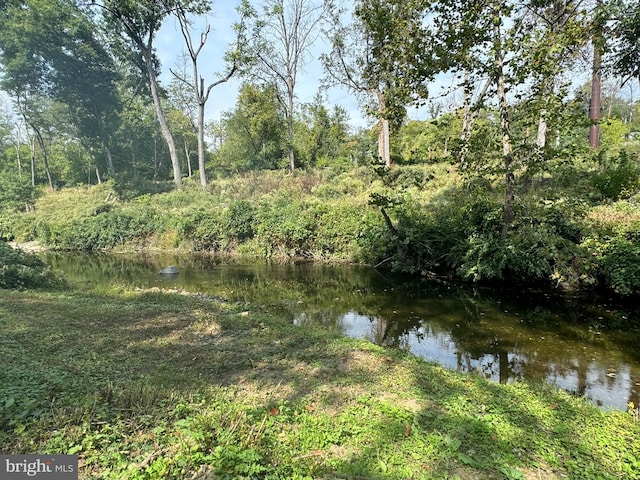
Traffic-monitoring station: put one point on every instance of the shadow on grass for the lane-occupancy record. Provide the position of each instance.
(282, 400)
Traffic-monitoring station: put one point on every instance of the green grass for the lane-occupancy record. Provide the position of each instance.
(153, 384)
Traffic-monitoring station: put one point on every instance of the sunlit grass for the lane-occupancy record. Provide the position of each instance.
(153, 384)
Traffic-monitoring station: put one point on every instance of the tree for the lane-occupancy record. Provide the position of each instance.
(385, 56)
(321, 134)
(254, 133)
(280, 46)
(507, 43)
(625, 41)
(197, 82)
(136, 23)
(50, 49)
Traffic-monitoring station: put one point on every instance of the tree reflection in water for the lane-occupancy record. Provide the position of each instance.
(583, 346)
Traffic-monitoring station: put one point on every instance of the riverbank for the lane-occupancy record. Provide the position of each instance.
(156, 384)
(426, 220)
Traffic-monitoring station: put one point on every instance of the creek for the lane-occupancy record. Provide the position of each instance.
(587, 345)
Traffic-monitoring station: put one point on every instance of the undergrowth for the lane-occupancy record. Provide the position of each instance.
(426, 220)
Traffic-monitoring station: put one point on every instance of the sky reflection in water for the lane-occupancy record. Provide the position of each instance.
(586, 347)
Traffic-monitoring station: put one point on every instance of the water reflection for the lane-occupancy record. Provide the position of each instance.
(589, 348)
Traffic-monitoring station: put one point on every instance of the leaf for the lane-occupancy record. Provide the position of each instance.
(75, 449)
(464, 458)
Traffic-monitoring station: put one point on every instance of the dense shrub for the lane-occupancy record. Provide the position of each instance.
(16, 193)
(618, 177)
(287, 227)
(20, 270)
(204, 229)
(102, 231)
(240, 220)
(616, 261)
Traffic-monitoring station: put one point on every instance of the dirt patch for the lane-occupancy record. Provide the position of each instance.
(30, 247)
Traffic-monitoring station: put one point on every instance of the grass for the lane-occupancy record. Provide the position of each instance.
(162, 384)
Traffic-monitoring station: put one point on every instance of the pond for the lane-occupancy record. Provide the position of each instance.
(588, 346)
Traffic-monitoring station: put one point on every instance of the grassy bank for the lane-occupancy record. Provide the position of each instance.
(422, 219)
(153, 384)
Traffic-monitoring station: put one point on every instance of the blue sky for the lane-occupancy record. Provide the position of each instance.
(170, 44)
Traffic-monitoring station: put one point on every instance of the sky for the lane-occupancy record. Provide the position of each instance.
(170, 44)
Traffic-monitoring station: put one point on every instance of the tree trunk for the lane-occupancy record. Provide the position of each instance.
(18, 159)
(596, 92)
(105, 144)
(290, 151)
(541, 135)
(384, 148)
(203, 174)
(164, 126)
(32, 145)
(187, 154)
(470, 111)
(45, 159)
(507, 147)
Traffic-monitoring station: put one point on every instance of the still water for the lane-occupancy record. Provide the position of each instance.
(588, 346)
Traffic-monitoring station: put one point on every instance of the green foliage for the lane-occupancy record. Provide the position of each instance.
(20, 270)
(16, 192)
(618, 177)
(254, 132)
(241, 220)
(102, 231)
(616, 261)
(205, 228)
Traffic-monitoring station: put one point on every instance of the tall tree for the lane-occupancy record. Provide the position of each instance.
(50, 48)
(197, 82)
(136, 23)
(625, 41)
(499, 40)
(281, 42)
(598, 42)
(385, 56)
(254, 132)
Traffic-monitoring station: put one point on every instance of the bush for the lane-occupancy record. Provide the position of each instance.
(616, 261)
(102, 231)
(20, 270)
(205, 229)
(617, 178)
(240, 220)
(16, 193)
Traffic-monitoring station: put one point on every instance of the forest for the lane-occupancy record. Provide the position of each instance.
(525, 168)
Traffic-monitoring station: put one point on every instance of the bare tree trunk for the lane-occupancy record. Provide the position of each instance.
(595, 104)
(105, 144)
(18, 144)
(32, 145)
(290, 99)
(45, 159)
(187, 154)
(162, 120)
(470, 111)
(507, 147)
(384, 134)
(201, 152)
(541, 135)
(596, 91)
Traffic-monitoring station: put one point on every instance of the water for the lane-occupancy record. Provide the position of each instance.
(586, 346)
